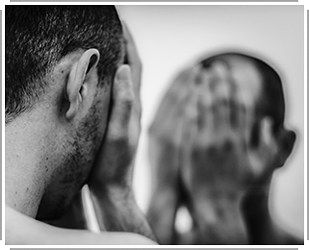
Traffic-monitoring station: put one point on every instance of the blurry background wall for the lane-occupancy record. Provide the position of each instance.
(170, 37)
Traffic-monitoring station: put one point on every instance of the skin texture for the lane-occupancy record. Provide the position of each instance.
(50, 146)
(68, 140)
(18, 233)
(213, 154)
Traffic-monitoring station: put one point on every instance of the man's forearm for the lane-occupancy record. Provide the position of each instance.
(21, 229)
(116, 210)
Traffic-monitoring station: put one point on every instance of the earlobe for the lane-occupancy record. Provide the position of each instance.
(287, 140)
(76, 89)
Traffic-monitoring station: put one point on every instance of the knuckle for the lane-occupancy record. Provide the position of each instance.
(118, 136)
(130, 99)
(127, 104)
(127, 97)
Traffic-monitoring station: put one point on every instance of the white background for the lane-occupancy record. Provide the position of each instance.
(170, 37)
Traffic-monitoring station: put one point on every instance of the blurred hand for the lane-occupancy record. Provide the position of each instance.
(225, 151)
(211, 152)
(165, 142)
(225, 147)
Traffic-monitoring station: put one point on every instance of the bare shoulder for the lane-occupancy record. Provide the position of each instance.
(23, 230)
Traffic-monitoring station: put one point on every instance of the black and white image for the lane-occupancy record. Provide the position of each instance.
(144, 125)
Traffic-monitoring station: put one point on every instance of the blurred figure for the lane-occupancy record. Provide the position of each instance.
(215, 142)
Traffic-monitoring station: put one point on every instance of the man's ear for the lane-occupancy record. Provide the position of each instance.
(286, 140)
(76, 89)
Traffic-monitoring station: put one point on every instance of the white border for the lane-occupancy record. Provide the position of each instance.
(306, 244)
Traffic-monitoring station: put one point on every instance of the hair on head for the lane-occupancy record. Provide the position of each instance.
(37, 37)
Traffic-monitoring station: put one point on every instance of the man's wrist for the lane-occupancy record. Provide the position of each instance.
(116, 210)
(110, 190)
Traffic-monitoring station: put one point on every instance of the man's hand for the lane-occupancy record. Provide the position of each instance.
(225, 145)
(110, 182)
(228, 153)
(115, 160)
(165, 141)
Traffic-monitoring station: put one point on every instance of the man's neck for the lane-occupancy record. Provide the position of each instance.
(255, 210)
(25, 144)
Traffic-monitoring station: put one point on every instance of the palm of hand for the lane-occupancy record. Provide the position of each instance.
(115, 159)
(225, 148)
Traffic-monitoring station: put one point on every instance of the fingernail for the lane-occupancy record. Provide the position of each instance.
(123, 72)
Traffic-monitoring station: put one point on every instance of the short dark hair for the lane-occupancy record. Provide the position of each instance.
(37, 37)
(271, 101)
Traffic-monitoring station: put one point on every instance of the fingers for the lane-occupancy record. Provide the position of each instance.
(219, 86)
(133, 59)
(168, 120)
(122, 99)
(214, 103)
(132, 56)
(181, 100)
(242, 116)
(205, 103)
(190, 119)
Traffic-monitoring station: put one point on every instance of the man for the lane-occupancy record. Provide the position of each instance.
(72, 118)
(215, 142)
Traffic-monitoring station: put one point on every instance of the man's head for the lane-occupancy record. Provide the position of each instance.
(38, 37)
(218, 136)
(222, 107)
(60, 64)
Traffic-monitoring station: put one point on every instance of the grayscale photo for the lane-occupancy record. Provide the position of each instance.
(154, 125)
